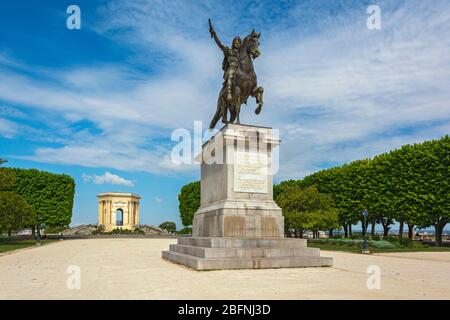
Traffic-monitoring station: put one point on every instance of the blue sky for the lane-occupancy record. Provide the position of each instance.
(101, 103)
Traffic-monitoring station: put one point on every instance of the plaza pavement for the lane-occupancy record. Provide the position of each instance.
(133, 269)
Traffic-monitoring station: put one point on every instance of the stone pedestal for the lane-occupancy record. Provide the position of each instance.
(238, 224)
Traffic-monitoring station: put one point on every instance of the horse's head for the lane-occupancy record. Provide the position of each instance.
(251, 44)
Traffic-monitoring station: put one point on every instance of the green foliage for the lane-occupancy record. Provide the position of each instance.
(185, 230)
(15, 212)
(138, 231)
(189, 199)
(380, 244)
(124, 231)
(409, 185)
(121, 231)
(306, 209)
(15, 244)
(50, 195)
(390, 243)
(53, 230)
(169, 226)
(7, 178)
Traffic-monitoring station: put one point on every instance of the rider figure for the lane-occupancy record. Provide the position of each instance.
(230, 61)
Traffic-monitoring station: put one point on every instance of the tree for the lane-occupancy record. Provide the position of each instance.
(169, 226)
(347, 186)
(7, 178)
(189, 202)
(433, 169)
(383, 195)
(50, 195)
(306, 209)
(325, 220)
(15, 212)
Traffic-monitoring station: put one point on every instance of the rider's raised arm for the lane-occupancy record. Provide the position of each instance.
(220, 44)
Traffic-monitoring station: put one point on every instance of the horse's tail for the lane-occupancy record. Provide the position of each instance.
(217, 115)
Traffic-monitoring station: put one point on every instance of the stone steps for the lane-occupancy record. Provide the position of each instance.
(209, 253)
(244, 252)
(223, 242)
(198, 263)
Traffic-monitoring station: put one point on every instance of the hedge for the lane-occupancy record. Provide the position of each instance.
(51, 195)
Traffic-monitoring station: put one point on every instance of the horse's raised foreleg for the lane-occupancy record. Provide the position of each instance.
(258, 94)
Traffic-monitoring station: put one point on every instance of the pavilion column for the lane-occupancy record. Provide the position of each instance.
(99, 212)
(125, 217)
(132, 212)
(109, 213)
(137, 213)
(104, 212)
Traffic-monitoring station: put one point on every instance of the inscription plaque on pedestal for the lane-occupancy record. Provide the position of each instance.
(250, 172)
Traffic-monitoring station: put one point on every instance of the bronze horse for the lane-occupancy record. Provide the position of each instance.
(244, 83)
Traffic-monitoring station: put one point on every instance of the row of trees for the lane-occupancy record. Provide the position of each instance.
(15, 212)
(410, 185)
(33, 199)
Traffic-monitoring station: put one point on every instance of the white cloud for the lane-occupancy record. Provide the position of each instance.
(158, 199)
(337, 93)
(108, 178)
(8, 129)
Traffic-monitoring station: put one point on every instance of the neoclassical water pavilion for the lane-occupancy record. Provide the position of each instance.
(118, 210)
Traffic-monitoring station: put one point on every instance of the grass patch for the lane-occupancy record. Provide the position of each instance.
(375, 246)
(11, 245)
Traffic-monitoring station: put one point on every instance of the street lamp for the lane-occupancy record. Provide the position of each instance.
(365, 246)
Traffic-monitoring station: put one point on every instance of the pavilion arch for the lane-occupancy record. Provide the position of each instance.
(118, 210)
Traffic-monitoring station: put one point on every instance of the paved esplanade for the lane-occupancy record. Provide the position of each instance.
(133, 269)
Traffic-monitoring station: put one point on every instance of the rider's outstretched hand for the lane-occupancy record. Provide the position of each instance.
(211, 29)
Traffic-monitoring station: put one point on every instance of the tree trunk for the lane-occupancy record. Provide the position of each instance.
(9, 233)
(38, 231)
(438, 235)
(385, 228)
(410, 231)
(439, 229)
(350, 233)
(345, 231)
(385, 231)
(330, 233)
(372, 231)
(400, 230)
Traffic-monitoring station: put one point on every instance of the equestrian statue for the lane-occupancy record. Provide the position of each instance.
(239, 77)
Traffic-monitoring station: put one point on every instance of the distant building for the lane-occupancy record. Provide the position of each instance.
(118, 210)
